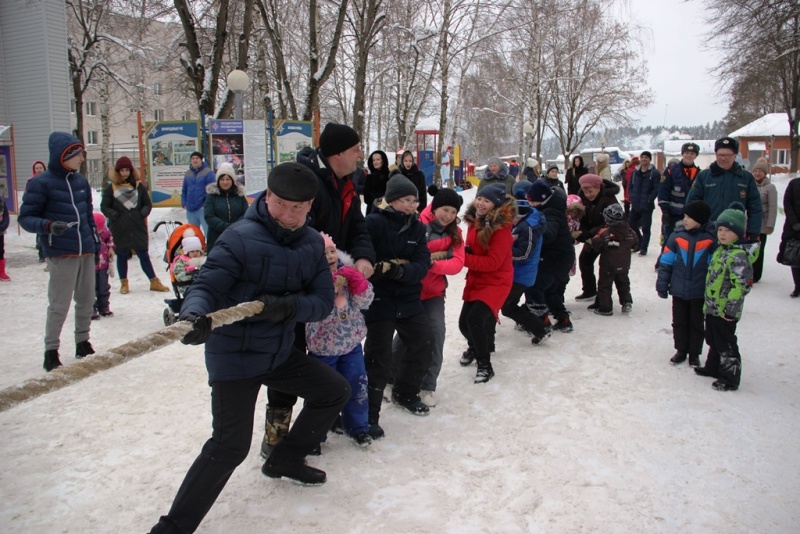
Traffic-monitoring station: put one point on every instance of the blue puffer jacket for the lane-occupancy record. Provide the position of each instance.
(675, 185)
(643, 188)
(255, 256)
(684, 263)
(398, 236)
(193, 192)
(58, 194)
(527, 247)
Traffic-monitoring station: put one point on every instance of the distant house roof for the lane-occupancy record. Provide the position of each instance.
(770, 124)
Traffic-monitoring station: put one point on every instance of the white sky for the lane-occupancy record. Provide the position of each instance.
(679, 67)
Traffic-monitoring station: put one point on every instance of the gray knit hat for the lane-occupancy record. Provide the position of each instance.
(398, 187)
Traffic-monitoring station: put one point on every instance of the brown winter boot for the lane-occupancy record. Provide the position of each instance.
(156, 285)
(276, 426)
(124, 288)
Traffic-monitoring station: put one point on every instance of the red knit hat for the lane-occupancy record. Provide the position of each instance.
(123, 163)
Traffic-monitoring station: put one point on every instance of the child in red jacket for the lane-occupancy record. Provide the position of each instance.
(490, 273)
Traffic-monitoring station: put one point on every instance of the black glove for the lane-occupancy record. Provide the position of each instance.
(468, 250)
(277, 309)
(666, 218)
(395, 272)
(56, 227)
(201, 329)
(663, 294)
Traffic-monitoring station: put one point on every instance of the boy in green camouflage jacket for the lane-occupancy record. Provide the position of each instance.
(728, 281)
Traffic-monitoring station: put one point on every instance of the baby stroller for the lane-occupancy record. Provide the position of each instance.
(175, 231)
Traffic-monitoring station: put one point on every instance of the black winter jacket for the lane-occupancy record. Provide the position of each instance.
(222, 209)
(398, 236)
(377, 179)
(558, 251)
(329, 214)
(128, 226)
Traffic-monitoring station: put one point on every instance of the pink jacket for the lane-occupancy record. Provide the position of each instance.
(435, 282)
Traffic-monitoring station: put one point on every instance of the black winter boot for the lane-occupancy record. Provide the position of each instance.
(51, 360)
(694, 360)
(83, 349)
(276, 427)
(467, 357)
(485, 372)
(166, 526)
(295, 470)
(412, 404)
(678, 358)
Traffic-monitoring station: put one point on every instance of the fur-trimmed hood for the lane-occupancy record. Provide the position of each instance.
(497, 218)
(213, 189)
(117, 179)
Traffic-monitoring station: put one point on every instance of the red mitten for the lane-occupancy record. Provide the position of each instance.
(356, 283)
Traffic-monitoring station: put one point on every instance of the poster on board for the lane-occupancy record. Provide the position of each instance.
(291, 137)
(243, 144)
(169, 149)
(7, 186)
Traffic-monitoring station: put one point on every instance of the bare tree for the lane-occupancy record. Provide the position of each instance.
(595, 75)
(766, 36)
(366, 22)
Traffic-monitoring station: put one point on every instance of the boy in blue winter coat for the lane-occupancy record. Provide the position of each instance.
(527, 233)
(682, 273)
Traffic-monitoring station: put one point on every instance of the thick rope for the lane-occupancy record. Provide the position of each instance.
(70, 374)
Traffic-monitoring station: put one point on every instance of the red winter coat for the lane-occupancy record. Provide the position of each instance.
(490, 271)
(434, 284)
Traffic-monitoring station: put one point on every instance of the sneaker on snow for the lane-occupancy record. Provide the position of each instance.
(95, 316)
(106, 313)
(585, 296)
(411, 405)
(375, 431)
(606, 313)
(363, 439)
(719, 385)
(627, 307)
(694, 360)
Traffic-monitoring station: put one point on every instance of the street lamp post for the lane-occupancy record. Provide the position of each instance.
(238, 81)
(527, 129)
(602, 143)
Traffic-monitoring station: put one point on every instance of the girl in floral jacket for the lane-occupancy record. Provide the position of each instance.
(336, 340)
(102, 289)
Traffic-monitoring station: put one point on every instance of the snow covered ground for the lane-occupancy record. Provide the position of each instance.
(594, 432)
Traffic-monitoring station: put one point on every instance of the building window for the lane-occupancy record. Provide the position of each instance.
(91, 109)
(158, 115)
(92, 165)
(781, 157)
(157, 88)
(186, 116)
(92, 137)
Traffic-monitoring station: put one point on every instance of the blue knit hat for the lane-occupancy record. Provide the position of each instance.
(539, 191)
(495, 193)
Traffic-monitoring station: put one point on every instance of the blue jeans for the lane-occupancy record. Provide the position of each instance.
(351, 367)
(123, 255)
(198, 218)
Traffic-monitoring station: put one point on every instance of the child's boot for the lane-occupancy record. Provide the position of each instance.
(3, 276)
(156, 285)
(124, 287)
(275, 428)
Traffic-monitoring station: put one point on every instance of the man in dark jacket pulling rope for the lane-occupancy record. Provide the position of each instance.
(274, 256)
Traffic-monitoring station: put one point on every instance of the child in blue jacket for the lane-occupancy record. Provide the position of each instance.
(682, 273)
(525, 253)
